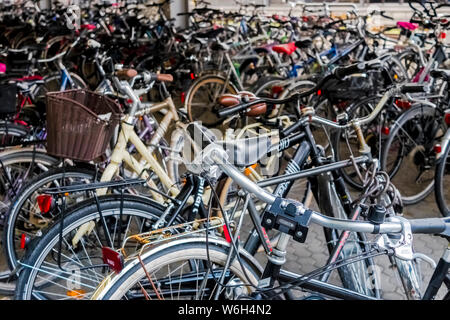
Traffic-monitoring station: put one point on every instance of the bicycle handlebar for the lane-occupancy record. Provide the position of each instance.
(342, 72)
(426, 226)
(59, 55)
(338, 72)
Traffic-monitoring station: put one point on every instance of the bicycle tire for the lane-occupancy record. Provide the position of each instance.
(419, 111)
(20, 156)
(202, 81)
(79, 215)
(28, 190)
(440, 189)
(178, 250)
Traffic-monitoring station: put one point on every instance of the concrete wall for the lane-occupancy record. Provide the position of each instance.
(176, 7)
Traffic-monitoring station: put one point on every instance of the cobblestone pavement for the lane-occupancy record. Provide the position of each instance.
(304, 258)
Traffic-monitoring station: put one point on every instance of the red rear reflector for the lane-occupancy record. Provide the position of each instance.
(226, 233)
(113, 259)
(443, 35)
(438, 148)
(192, 76)
(343, 104)
(403, 104)
(45, 202)
(385, 130)
(23, 241)
(447, 119)
(276, 90)
(183, 97)
(319, 92)
(267, 239)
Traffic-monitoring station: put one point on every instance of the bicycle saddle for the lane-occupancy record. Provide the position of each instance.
(231, 100)
(210, 34)
(241, 152)
(248, 151)
(407, 25)
(303, 44)
(288, 48)
(88, 26)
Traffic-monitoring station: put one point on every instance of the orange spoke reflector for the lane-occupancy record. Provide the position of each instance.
(76, 293)
(248, 170)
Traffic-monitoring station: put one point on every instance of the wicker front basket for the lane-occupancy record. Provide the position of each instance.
(80, 124)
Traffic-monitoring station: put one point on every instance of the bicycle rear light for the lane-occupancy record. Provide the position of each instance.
(45, 202)
(403, 104)
(438, 148)
(447, 119)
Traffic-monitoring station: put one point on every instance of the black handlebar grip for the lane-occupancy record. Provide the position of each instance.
(440, 74)
(341, 72)
(413, 88)
(427, 226)
(232, 110)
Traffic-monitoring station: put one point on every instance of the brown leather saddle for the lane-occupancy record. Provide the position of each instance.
(231, 100)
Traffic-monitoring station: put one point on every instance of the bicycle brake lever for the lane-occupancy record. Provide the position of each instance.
(402, 247)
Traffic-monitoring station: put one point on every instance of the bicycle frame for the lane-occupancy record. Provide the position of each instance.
(127, 134)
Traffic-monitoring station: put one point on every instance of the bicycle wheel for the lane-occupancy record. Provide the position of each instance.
(410, 62)
(294, 87)
(53, 83)
(73, 267)
(408, 154)
(24, 219)
(17, 167)
(12, 134)
(184, 269)
(201, 100)
(359, 276)
(372, 133)
(442, 182)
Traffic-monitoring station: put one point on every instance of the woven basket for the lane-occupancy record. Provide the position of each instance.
(80, 124)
